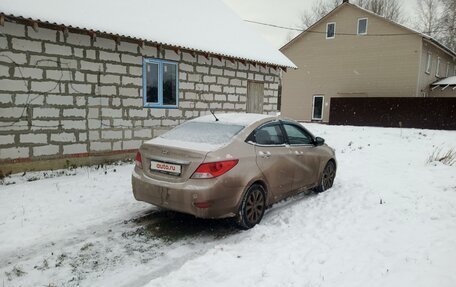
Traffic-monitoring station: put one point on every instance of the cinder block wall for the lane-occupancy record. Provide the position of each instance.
(68, 95)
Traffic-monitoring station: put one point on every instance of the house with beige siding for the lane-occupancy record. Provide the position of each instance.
(352, 52)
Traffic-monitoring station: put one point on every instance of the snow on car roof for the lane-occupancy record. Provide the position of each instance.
(183, 144)
(242, 119)
(202, 25)
(210, 135)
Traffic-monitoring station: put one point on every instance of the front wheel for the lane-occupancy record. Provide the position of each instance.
(252, 207)
(327, 178)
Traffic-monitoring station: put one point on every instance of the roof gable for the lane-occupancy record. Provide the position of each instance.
(407, 30)
(200, 25)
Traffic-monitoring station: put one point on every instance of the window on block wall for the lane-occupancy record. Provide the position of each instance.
(160, 84)
(447, 74)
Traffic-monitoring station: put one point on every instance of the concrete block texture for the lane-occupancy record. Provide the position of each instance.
(13, 29)
(6, 139)
(128, 47)
(59, 100)
(42, 34)
(116, 69)
(33, 138)
(78, 39)
(109, 56)
(45, 150)
(27, 45)
(74, 124)
(100, 146)
(16, 58)
(54, 49)
(46, 112)
(70, 94)
(14, 85)
(105, 43)
(14, 153)
(63, 137)
(3, 43)
(74, 148)
(14, 112)
(4, 71)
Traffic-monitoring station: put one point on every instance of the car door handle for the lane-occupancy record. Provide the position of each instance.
(299, 153)
(264, 154)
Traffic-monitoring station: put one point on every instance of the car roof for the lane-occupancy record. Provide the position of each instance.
(242, 119)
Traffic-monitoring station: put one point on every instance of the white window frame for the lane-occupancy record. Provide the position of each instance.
(428, 63)
(437, 70)
(327, 25)
(448, 69)
(367, 24)
(322, 107)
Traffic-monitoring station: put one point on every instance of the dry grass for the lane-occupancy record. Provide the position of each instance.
(447, 158)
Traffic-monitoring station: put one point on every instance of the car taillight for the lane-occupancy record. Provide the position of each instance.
(214, 169)
(138, 160)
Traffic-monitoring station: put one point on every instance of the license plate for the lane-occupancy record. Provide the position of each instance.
(164, 167)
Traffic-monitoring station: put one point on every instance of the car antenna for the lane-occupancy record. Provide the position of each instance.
(216, 119)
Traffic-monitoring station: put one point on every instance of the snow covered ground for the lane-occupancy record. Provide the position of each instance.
(390, 220)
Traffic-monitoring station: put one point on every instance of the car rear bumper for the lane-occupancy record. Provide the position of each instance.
(222, 198)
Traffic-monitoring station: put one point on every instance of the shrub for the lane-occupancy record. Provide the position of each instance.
(447, 158)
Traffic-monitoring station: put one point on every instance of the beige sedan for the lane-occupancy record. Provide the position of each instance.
(231, 165)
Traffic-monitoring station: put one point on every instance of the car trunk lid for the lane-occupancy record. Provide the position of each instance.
(168, 163)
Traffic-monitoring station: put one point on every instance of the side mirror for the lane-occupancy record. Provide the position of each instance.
(319, 141)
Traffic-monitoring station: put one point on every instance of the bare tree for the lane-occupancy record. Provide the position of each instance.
(437, 18)
(290, 36)
(428, 12)
(319, 9)
(447, 24)
(390, 9)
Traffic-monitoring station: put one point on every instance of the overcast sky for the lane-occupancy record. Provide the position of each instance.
(284, 13)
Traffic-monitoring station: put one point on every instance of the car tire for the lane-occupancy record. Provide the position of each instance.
(252, 207)
(327, 177)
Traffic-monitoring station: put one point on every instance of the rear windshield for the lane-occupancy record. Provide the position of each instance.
(203, 132)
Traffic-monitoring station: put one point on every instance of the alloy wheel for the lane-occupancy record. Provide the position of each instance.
(254, 206)
(328, 176)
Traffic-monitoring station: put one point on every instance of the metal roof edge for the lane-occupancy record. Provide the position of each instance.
(56, 26)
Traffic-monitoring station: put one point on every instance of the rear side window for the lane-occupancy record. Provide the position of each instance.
(202, 132)
(270, 134)
(297, 135)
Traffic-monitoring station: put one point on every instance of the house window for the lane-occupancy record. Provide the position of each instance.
(317, 107)
(330, 30)
(160, 84)
(362, 26)
(437, 71)
(428, 63)
(447, 74)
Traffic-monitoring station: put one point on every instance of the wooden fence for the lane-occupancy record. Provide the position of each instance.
(427, 113)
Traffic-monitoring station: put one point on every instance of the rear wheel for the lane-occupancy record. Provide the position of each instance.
(327, 178)
(252, 207)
